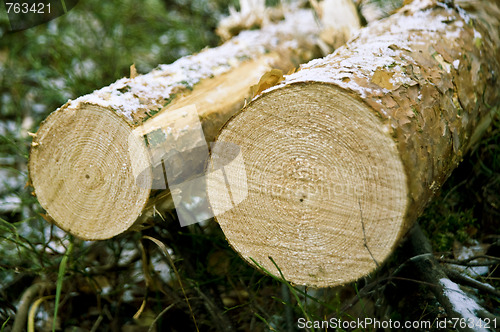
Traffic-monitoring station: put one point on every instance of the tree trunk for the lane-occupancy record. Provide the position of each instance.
(349, 150)
(96, 163)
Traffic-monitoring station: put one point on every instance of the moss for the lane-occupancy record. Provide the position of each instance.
(169, 100)
(188, 85)
(242, 58)
(445, 225)
(414, 110)
(478, 42)
(124, 89)
(156, 137)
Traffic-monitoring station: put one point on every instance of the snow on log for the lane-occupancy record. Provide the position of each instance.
(93, 165)
(341, 157)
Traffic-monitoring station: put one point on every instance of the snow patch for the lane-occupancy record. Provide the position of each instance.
(462, 304)
(466, 252)
(477, 34)
(10, 203)
(400, 78)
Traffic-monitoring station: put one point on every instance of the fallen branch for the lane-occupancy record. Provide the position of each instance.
(25, 302)
(489, 260)
(468, 281)
(455, 302)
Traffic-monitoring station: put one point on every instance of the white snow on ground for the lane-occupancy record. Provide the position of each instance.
(10, 203)
(8, 128)
(462, 304)
(10, 181)
(466, 252)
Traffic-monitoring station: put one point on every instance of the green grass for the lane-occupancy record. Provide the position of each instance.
(60, 279)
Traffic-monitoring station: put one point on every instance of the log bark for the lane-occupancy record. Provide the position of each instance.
(93, 161)
(348, 151)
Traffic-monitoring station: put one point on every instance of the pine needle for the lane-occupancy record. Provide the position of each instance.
(60, 278)
(283, 280)
(170, 260)
(5, 324)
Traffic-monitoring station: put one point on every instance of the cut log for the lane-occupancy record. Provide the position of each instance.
(90, 166)
(347, 152)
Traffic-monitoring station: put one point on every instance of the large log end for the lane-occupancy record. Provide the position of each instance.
(324, 201)
(81, 166)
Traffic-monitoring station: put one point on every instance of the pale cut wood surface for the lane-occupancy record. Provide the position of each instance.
(319, 168)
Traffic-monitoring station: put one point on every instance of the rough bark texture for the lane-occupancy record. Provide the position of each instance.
(89, 164)
(384, 119)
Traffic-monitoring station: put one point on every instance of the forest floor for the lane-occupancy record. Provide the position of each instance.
(128, 283)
